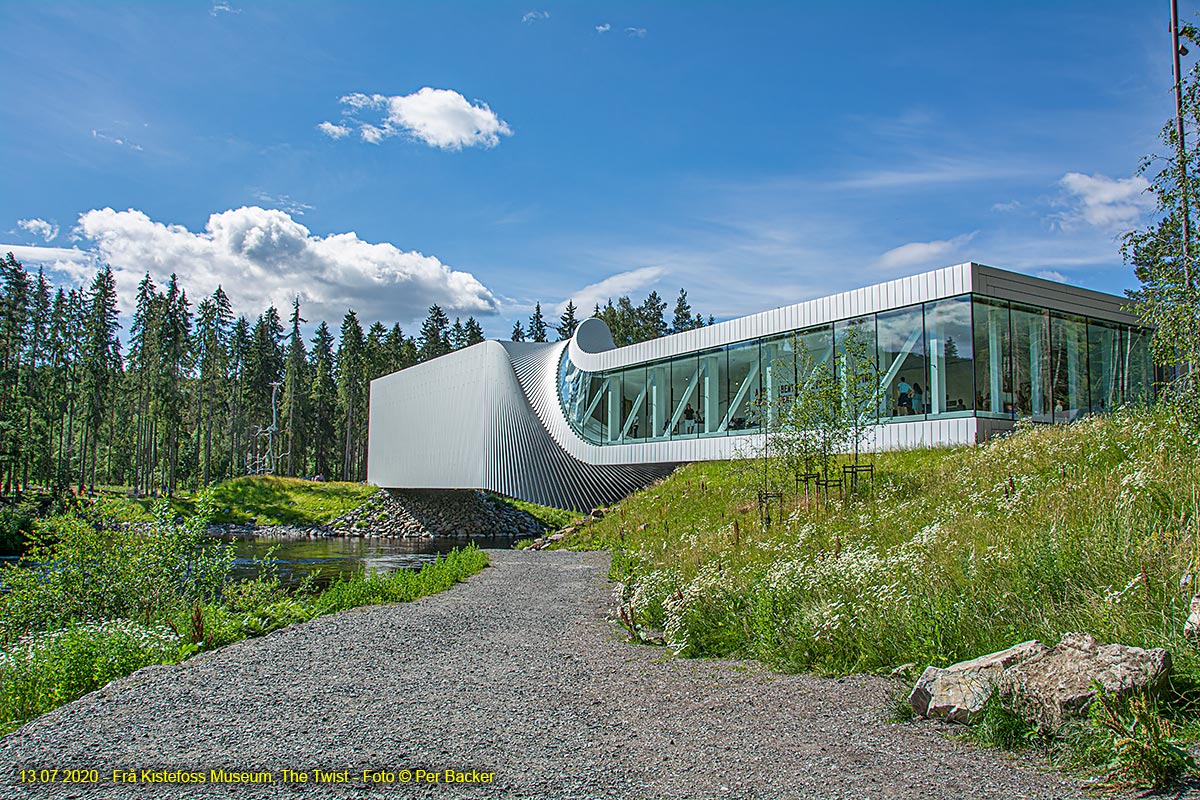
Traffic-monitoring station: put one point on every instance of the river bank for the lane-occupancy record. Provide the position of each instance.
(520, 673)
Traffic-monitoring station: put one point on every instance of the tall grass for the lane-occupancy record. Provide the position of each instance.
(956, 552)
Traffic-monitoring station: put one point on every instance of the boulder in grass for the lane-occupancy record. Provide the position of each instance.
(957, 693)
(1051, 688)
(1191, 627)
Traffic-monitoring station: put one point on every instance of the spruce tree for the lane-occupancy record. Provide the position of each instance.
(567, 322)
(458, 335)
(350, 395)
(474, 331)
(322, 399)
(295, 395)
(433, 340)
(651, 322)
(682, 321)
(518, 333)
(101, 357)
(537, 325)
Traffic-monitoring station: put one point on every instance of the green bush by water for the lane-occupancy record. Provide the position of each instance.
(99, 604)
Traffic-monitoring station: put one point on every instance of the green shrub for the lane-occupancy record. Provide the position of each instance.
(43, 671)
(1142, 746)
(82, 573)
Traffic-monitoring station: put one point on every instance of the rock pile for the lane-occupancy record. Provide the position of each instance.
(1045, 686)
(435, 512)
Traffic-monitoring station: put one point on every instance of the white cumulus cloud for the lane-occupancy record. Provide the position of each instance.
(440, 118)
(1103, 201)
(39, 227)
(605, 28)
(923, 254)
(334, 131)
(612, 287)
(265, 257)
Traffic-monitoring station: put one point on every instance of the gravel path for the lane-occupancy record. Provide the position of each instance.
(518, 672)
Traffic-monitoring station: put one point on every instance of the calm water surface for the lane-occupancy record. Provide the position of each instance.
(327, 559)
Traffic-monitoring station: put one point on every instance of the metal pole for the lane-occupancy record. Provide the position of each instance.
(1183, 187)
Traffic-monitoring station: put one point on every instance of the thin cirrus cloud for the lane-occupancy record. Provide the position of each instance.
(605, 28)
(48, 231)
(534, 16)
(923, 254)
(637, 33)
(612, 287)
(440, 118)
(117, 140)
(265, 257)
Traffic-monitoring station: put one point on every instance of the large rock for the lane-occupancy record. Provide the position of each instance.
(957, 693)
(1191, 627)
(1059, 684)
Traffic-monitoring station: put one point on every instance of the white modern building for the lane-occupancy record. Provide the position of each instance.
(962, 353)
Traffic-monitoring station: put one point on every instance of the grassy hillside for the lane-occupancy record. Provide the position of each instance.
(1087, 527)
(269, 500)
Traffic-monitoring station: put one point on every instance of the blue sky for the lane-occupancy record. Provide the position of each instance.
(488, 155)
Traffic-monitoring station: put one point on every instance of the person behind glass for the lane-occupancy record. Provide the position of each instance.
(918, 399)
(903, 398)
(689, 419)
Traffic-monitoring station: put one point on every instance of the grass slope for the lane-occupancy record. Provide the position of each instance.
(957, 552)
(267, 500)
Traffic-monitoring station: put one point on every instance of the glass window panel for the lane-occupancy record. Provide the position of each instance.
(743, 387)
(1068, 367)
(633, 404)
(816, 350)
(685, 382)
(1139, 369)
(994, 396)
(658, 400)
(903, 370)
(711, 394)
(950, 345)
(1031, 359)
(1104, 366)
(595, 409)
(778, 357)
(864, 328)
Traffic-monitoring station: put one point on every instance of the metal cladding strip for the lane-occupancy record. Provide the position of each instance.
(583, 485)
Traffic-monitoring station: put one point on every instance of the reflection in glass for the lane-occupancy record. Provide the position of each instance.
(1139, 369)
(712, 393)
(1104, 366)
(950, 344)
(956, 356)
(1068, 367)
(993, 359)
(1031, 346)
(902, 365)
(743, 387)
(633, 404)
(685, 381)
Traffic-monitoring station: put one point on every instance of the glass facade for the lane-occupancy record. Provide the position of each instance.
(962, 356)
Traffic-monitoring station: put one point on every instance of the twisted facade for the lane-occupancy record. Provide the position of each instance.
(960, 354)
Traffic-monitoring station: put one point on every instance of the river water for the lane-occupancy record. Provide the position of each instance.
(328, 558)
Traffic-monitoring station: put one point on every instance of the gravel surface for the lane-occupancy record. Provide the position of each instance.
(518, 672)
